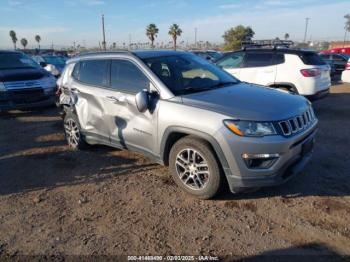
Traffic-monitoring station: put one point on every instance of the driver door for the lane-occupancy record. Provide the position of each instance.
(129, 128)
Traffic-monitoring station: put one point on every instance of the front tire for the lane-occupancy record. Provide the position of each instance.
(195, 168)
(72, 132)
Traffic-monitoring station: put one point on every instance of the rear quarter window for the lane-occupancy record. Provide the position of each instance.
(310, 58)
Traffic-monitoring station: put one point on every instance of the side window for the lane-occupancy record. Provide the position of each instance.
(94, 72)
(338, 58)
(76, 71)
(278, 59)
(325, 57)
(257, 59)
(232, 61)
(126, 76)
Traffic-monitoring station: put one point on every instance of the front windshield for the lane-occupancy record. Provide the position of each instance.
(188, 73)
(16, 61)
(54, 60)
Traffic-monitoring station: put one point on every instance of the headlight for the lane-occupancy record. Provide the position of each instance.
(52, 69)
(250, 128)
(2, 87)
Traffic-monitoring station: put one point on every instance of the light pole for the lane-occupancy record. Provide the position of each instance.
(103, 32)
(306, 25)
(195, 37)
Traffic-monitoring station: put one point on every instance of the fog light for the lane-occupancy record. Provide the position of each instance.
(260, 161)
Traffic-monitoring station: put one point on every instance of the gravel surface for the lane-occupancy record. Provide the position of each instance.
(103, 201)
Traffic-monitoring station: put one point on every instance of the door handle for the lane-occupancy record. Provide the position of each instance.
(120, 99)
(74, 90)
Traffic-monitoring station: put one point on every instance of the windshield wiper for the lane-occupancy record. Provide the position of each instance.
(201, 89)
(223, 84)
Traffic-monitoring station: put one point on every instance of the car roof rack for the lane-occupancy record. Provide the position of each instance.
(274, 43)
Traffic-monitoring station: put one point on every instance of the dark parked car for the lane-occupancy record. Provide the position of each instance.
(23, 83)
(338, 62)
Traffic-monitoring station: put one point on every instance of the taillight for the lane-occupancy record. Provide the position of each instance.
(310, 72)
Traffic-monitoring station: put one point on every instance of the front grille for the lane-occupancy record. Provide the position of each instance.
(28, 95)
(11, 85)
(297, 124)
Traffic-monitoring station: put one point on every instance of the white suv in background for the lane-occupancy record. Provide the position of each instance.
(298, 71)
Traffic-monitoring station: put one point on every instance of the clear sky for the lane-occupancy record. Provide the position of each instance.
(66, 21)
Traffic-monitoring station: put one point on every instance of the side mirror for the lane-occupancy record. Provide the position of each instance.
(43, 64)
(142, 101)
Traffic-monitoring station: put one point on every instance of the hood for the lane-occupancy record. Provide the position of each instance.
(249, 102)
(20, 74)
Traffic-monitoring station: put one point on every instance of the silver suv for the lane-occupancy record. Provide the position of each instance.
(183, 112)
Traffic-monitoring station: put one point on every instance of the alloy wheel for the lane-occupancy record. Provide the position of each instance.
(72, 133)
(192, 169)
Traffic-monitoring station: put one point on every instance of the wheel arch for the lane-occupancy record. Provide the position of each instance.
(288, 85)
(174, 133)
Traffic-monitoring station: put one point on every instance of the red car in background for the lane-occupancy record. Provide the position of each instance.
(345, 50)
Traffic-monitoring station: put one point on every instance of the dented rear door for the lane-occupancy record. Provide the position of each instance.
(89, 92)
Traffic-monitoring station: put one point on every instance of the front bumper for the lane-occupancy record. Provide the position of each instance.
(290, 163)
(12, 100)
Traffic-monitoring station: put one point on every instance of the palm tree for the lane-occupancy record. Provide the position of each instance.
(13, 38)
(152, 31)
(286, 36)
(174, 32)
(24, 42)
(38, 39)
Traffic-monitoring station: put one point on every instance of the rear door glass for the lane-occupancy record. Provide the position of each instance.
(94, 72)
(311, 58)
(256, 59)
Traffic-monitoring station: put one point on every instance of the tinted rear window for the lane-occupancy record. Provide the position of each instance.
(310, 58)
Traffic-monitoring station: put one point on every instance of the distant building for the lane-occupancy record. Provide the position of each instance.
(339, 44)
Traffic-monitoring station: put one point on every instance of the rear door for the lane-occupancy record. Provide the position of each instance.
(258, 68)
(126, 125)
(232, 63)
(90, 78)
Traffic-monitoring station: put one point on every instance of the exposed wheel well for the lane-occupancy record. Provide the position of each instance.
(289, 87)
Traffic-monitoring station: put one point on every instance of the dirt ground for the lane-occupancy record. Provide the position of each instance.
(103, 201)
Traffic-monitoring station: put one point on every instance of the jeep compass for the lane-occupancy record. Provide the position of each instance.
(188, 114)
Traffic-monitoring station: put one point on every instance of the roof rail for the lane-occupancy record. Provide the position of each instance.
(273, 43)
(88, 53)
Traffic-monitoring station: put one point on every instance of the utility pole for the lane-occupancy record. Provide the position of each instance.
(195, 36)
(129, 41)
(306, 25)
(103, 31)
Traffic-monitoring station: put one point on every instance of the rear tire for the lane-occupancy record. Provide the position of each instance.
(195, 168)
(72, 131)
